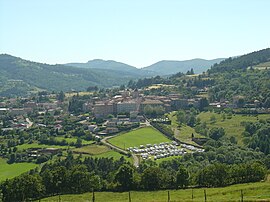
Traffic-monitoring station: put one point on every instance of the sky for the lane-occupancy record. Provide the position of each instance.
(138, 33)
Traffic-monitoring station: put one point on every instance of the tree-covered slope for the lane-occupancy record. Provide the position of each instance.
(242, 62)
(31, 75)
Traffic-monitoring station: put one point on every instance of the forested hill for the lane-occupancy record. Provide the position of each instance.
(242, 62)
(19, 76)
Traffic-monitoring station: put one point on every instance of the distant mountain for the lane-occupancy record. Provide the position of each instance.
(19, 77)
(162, 68)
(167, 67)
(104, 64)
(112, 65)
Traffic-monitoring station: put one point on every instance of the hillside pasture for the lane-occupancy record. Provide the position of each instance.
(232, 126)
(182, 133)
(73, 140)
(8, 171)
(92, 149)
(40, 146)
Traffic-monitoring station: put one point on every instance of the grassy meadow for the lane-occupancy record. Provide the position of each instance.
(99, 151)
(184, 132)
(141, 136)
(232, 126)
(8, 171)
(92, 149)
(251, 191)
(36, 145)
(73, 140)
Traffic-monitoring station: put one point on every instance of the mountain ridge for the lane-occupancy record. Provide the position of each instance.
(162, 68)
(199, 65)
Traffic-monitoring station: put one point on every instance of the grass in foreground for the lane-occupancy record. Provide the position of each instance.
(252, 192)
(8, 171)
(142, 136)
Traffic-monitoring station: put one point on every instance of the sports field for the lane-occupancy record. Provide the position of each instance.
(142, 136)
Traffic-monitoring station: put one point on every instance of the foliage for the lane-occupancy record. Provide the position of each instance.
(124, 177)
(242, 62)
(21, 76)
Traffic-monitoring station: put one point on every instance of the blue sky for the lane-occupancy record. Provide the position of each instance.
(138, 32)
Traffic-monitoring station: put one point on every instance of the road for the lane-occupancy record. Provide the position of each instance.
(105, 142)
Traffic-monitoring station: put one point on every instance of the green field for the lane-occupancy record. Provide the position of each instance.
(184, 132)
(71, 94)
(73, 140)
(99, 151)
(231, 126)
(111, 154)
(142, 136)
(252, 192)
(92, 149)
(12, 170)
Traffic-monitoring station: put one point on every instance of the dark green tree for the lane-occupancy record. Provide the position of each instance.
(182, 177)
(124, 177)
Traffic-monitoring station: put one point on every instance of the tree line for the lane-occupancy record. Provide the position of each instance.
(74, 175)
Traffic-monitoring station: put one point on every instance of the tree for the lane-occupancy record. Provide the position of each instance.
(124, 177)
(214, 175)
(267, 103)
(22, 188)
(203, 103)
(216, 133)
(78, 142)
(151, 178)
(92, 88)
(213, 119)
(55, 179)
(181, 117)
(79, 179)
(61, 96)
(182, 177)
(191, 121)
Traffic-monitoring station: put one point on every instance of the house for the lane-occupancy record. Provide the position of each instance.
(4, 111)
(92, 128)
(102, 110)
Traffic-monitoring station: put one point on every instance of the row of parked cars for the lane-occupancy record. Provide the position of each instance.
(162, 150)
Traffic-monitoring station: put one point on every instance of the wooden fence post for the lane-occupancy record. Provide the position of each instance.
(169, 196)
(93, 196)
(242, 196)
(205, 199)
(129, 198)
